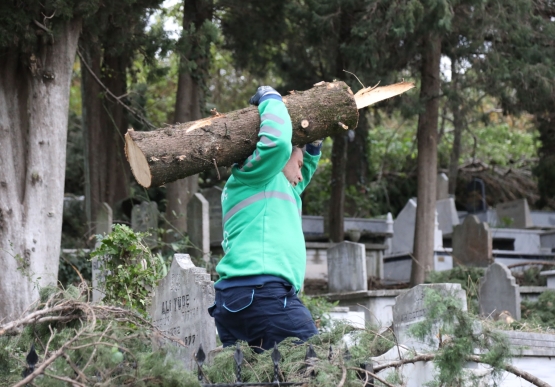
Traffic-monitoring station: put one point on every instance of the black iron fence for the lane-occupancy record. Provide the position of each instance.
(364, 372)
(310, 359)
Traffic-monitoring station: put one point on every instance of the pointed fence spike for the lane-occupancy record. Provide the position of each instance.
(364, 377)
(32, 357)
(346, 354)
(310, 353)
(200, 356)
(276, 355)
(238, 356)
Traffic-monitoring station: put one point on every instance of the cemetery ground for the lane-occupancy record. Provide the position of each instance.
(65, 339)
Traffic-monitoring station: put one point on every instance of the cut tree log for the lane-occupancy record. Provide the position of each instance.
(168, 154)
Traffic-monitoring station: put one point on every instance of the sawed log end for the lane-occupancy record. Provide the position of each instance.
(137, 161)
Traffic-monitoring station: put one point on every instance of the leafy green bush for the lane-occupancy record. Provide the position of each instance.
(132, 271)
(541, 312)
(467, 277)
(460, 336)
(90, 344)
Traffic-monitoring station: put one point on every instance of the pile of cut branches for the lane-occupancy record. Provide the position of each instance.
(65, 339)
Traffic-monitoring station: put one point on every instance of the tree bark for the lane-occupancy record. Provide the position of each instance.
(337, 195)
(116, 170)
(187, 108)
(168, 154)
(104, 125)
(178, 193)
(423, 260)
(356, 169)
(34, 102)
(457, 128)
(92, 129)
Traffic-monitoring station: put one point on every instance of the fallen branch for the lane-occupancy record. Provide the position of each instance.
(372, 375)
(40, 369)
(476, 359)
(537, 263)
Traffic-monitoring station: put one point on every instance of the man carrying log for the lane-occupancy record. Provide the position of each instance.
(265, 254)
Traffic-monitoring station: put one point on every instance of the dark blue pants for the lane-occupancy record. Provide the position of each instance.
(261, 315)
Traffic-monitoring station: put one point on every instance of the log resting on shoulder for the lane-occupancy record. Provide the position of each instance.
(168, 154)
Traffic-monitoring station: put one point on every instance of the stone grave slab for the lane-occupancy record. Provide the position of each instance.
(104, 220)
(144, 218)
(550, 274)
(403, 229)
(442, 187)
(410, 308)
(472, 243)
(198, 226)
(214, 197)
(499, 292)
(447, 216)
(180, 310)
(347, 267)
(514, 214)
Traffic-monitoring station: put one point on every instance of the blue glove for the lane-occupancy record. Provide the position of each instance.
(263, 93)
(313, 148)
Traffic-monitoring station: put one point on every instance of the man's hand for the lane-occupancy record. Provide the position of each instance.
(263, 93)
(313, 148)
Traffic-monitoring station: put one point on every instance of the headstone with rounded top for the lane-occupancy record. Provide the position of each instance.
(472, 243)
(499, 292)
(180, 311)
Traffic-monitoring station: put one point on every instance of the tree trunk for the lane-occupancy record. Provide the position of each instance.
(117, 171)
(187, 108)
(337, 195)
(545, 170)
(92, 131)
(423, 260)
(356, 169)
(168, 154)
(104, 125)
(34, 103)
(178, 193)
(357, 153)
(457, 128)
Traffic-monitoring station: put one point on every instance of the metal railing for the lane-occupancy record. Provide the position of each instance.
(310, 359)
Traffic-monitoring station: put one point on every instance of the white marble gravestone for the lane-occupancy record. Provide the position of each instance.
(403, 230)
(214, 197)
(180, 309)
(442, 187)
(499, 292)
(198, 226)
(103, 227)
(447, 216)
(410, 308)
(347, 267)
